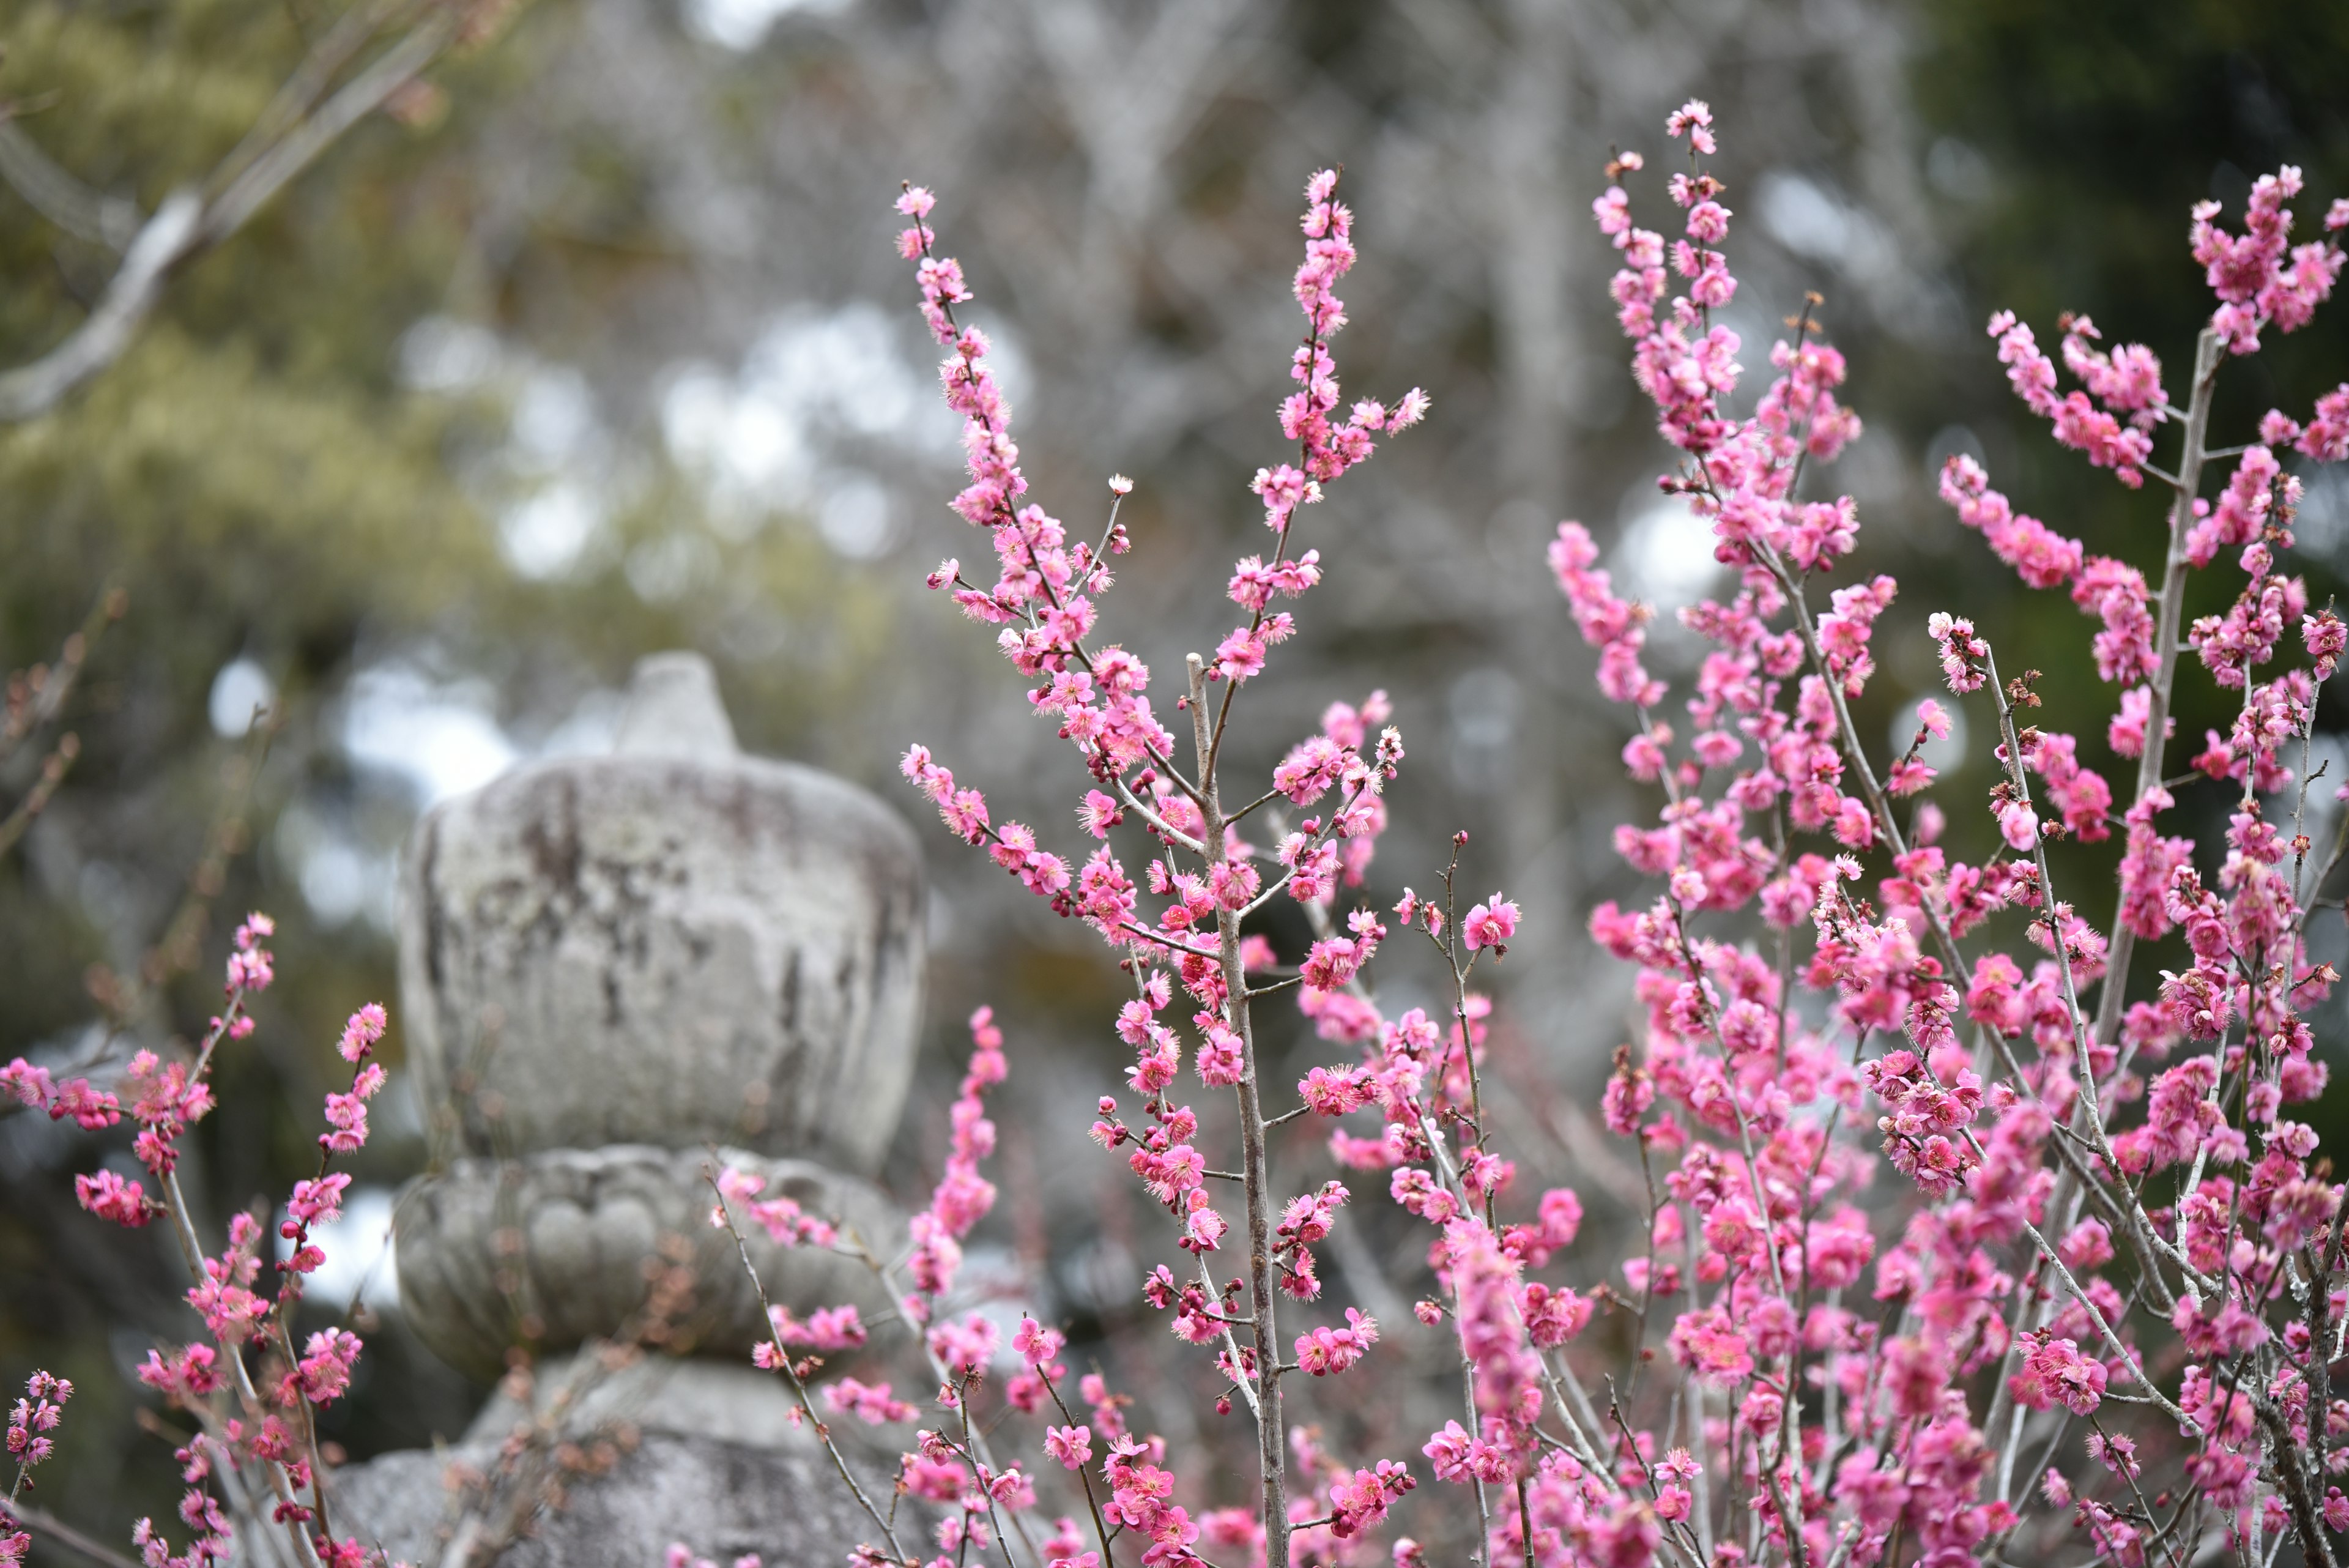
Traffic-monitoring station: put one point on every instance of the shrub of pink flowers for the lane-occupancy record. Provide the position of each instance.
(2096, 1316)
(251, 1391)
(2107, 1312)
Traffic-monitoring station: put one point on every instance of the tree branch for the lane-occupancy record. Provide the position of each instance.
(165, 241)
(187, 224)
(108, 220)
(41, 1522)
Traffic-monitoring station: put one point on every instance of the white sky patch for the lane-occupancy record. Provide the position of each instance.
(1666, 557)
(342, 876)
(1942, 756)
(856, 518)
(841, 367)
(555, 415)
(777, 433)
(1812, 221)
(443, 354)
(741, 440)
(241, 687)
(590, 728)
(740, 24)
(545, 534)
(359, 1264)
(337, 879)
(443, 739)
(2322, 528)
(668, 568)
(548, 486)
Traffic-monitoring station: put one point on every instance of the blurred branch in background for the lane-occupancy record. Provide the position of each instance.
(41, 1522)
(35, 696)
(300, 123)
(89, 215)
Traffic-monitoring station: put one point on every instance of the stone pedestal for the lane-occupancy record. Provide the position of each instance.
(706, 1456)
(553, 1249)
(617, 973)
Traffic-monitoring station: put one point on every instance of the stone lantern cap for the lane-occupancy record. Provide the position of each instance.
(675, 945)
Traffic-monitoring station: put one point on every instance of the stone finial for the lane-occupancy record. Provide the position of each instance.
(673, 710)
(611, 967)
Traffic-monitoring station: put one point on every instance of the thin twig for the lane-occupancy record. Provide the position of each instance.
(41, 1522)
(791, 1371)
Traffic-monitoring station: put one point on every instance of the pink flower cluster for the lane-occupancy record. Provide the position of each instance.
(2021, 1128)
(962, 1196)
(256, 1436)
(33, 1416)
(30, 1421)
(92, 1109)
(1325, 449)
(1046, 598)
(2098, 1204)
(783, 1218)
(1179, 925)
(2259, 275)
(2128, 382)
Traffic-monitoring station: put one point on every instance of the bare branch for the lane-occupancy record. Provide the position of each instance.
(352, 31)
(301, 145)
(188, 224)
(166, 240)
(84, 214)
(41, 1522)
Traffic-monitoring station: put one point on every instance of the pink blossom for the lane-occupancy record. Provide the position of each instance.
(364, 1031)
(1359, 1499)
(1693, 118)
(1490, 924)
(1962, 652)
(109, 1196)
(1326, 1350)
(35, 1416)
(871, 1403)
(1073, 1446)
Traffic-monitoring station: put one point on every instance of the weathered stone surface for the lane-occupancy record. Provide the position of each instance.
(676, 945)
(722, 1498)
(717, 1465)
(726, 1402)
(581, 1227)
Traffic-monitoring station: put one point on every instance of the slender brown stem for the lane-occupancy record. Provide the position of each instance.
(2175, 566)
(1100, 1525)
(1271, 1432)
(792, 1372)
(2112, 1000)
(67, 1536)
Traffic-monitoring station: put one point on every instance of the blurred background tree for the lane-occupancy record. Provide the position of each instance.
(593, 344)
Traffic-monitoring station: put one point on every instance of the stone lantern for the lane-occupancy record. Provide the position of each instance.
(616, 972)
